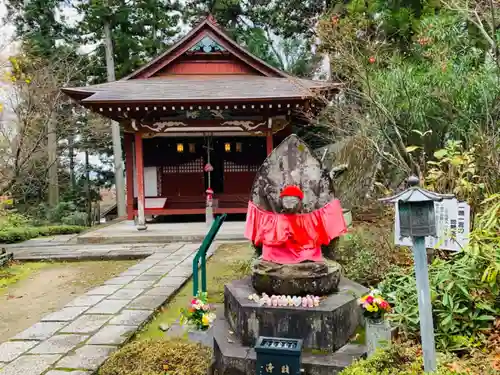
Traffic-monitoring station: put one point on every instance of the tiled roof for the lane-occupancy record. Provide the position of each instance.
(199, 88)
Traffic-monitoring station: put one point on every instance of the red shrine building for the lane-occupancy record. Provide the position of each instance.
(203, 115)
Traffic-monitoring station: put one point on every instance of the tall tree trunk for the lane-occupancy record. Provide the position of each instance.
(71, 152)
(115, 128)
(87, 189)
(52, 160)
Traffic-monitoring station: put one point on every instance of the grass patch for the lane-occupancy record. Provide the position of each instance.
(91, 273)
(230, 262)
(16, 272)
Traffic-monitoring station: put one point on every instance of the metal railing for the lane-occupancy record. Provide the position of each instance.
(200, 259)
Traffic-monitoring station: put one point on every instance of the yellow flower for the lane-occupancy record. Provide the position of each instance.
(370, 308)
(27, 80)
(205, 320)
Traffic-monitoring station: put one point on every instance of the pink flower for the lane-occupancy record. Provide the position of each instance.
(369, 299)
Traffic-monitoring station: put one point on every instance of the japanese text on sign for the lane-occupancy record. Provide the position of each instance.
(452, 226)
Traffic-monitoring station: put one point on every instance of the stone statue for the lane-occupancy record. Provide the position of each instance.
(292, 216)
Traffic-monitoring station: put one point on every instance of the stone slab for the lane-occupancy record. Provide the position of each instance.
(40, 331)
(165, 291)
(30, 365)
(86, 300)
(147, 302)
(130, 272)
(181, 272)
(88, 357)
(86, 324)
(58, 344)
(112, 335)
(148, 277)
(171, 281)
(140, 284)
(104, 290)
(10, 350)
(125, 294)
(131, 317)
(108, 306)
(66, 314)
(159, 270)
(120, 280)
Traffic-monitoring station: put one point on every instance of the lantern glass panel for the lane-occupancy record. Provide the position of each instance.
(417, 219)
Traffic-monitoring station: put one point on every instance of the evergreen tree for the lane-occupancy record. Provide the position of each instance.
(141, 29)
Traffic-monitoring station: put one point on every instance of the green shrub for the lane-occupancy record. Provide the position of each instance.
(368, 254)
(76, 218)
(19, 234)
(464, 289)
(150, 356)
(10, 219)
(399, 359)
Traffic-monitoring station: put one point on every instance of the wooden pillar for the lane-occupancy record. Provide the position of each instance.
(269, 137)
(139, 165)
(129, 170)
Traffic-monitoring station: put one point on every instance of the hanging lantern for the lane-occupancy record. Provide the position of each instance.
(180, 147)
(227, 147)
(208, 168)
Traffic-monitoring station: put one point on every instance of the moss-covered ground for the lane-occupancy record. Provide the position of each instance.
(230, 262)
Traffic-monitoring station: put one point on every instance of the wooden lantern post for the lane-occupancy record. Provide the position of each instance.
(417, 220)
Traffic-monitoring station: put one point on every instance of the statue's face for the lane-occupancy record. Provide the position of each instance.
(290, 204)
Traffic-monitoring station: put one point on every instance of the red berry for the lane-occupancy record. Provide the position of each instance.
(371, 60)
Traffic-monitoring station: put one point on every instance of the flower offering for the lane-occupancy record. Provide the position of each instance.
(200, 314)
(374, 306)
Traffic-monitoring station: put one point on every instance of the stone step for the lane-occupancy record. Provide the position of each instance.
(327, 327)
(234, 358)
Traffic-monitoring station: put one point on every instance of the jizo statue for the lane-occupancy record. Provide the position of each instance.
(291, 217)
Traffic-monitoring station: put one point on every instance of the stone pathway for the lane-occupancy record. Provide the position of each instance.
(77, 339)
(62, 252)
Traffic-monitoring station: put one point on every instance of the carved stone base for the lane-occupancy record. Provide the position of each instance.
(300, 279)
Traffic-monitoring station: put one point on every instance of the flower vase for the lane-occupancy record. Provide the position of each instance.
(378, 334)
(204, 338)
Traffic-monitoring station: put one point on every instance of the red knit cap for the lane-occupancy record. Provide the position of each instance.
(292, 191)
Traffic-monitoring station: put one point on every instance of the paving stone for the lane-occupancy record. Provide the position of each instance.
(147, 277)
(112, 335)
(147, 302)
(130, 272)
(40, 331)
(88, 357)
(131, 317)
(171, 281)
(161, 291)
(30, 365)
(180, 272)
(58, 344)
(168, 262)
(159, 270)
(86, 324)
(86, 301)
(57, 372)
(10, 350)
(122, 280)
(155, 256)
(66, 314)
(108, 306)
(104, 290)
(140, 284)
(140, 267)
(125, 294)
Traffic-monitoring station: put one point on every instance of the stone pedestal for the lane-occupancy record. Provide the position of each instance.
(308, 278)
(326, 330)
